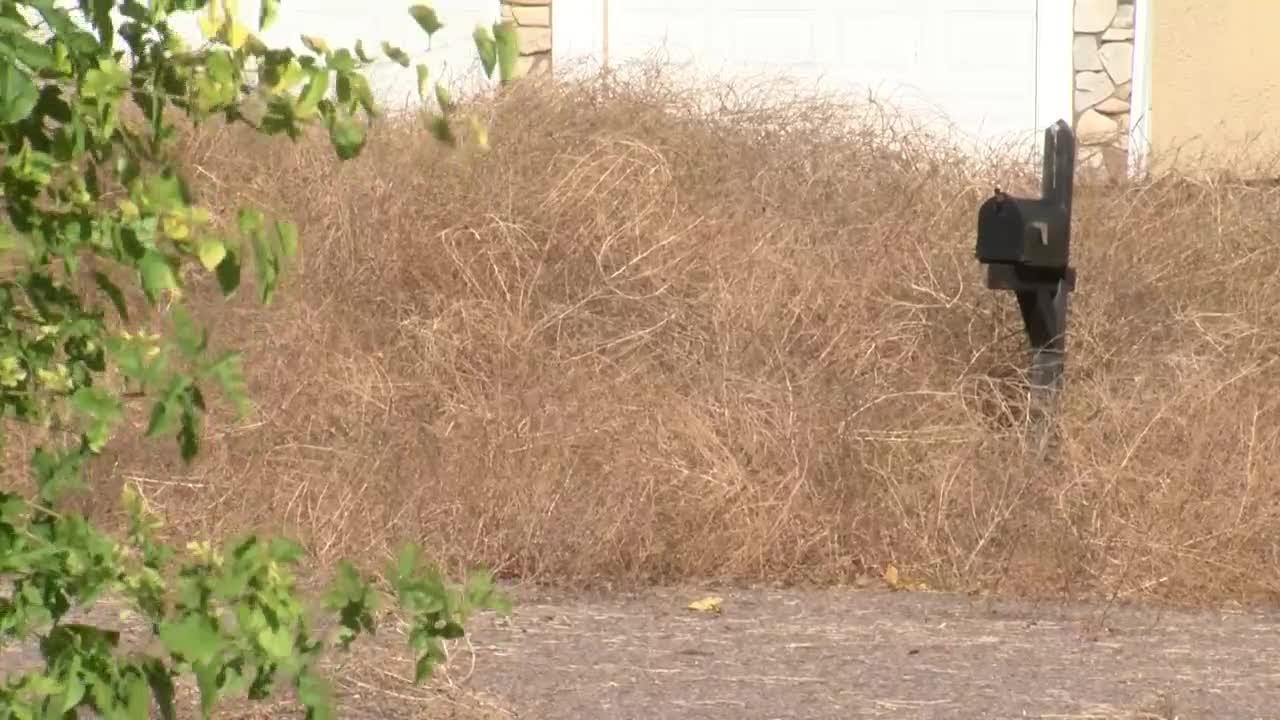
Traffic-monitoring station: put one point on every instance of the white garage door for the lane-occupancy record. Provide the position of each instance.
(996, 70)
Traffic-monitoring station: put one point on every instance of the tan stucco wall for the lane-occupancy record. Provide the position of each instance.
(1215, 85)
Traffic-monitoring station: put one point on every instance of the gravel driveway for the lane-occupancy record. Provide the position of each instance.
(873, 654)
(772, 654)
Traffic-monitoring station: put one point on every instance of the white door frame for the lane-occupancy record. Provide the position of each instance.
(578, 35)
(1055, 66)
(1140, 100)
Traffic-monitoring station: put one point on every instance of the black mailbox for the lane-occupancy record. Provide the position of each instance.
(1021, 231)
(1025, 244)
(1033, 232)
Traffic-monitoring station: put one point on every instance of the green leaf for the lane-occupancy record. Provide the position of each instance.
(354, 601)
(107, 81)
(487, 47)
(269, 257)
(276, 642)
(504, 35)
(342, 61)
(137, 696)
(220, 66)
(267, 14)
(157, 275)
(191, 338)
(97, 403)
(360, 53)
(192, 638)
(249, 221)
(343, 88)
(406, 563)
(102, 21)
(395, 53)
(288, 76)
(285, 550)
(161, 419)
(288, 234)
(315, 44)
(212, 252)
(441, 130)
(226, 370)
(451, 631)
(424, 73)
(12, 508)
(168, 192)
(426, 663)
(18, 94)
(162, 689)
(481, 593)
(315, 694)
(348, 138)
(56, 474)
(207, 682)
(443, 97)
(189, 427)
(72, 692)
(363, 94)
(426, 18)
(78, 41)
(17, 46)
(314, 93)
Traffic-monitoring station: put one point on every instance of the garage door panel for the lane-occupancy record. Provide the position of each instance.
(880, 43)
(644, 28)
(985, 41)
(771, 38)
(972, 60)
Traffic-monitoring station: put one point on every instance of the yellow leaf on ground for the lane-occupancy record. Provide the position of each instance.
(891, 577)
(707, 604)
(896, 581)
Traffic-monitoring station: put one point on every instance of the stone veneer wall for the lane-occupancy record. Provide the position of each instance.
(533, 28)
(1102, 56)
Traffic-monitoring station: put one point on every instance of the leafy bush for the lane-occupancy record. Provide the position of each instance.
(101, 228)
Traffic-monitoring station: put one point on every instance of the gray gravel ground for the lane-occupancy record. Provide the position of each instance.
(827, 654)
(874, 654)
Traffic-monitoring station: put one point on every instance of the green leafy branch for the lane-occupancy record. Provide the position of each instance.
(99, 226)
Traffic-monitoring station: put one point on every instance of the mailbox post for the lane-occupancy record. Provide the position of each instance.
(1025, 244)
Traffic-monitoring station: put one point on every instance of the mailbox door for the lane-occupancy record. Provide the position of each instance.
(1000, 231)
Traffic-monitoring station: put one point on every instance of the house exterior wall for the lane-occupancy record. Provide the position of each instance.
(533, 31)
(1215, 91)
(1102, 56)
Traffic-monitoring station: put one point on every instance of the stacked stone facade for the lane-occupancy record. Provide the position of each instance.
(532, 19)
(1102, 56)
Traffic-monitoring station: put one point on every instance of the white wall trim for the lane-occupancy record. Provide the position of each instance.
(1055, 71)
(1140, 102)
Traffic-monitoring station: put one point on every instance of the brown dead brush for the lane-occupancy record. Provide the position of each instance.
(649, 338)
